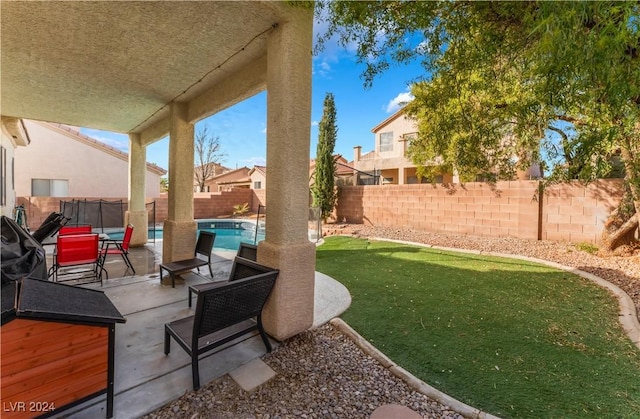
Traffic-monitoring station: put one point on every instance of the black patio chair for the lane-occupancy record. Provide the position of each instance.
(223, 313)
(204, 247)
(248, 251)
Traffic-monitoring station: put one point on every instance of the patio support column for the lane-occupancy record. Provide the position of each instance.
(289, 309)
(137, 213)
(179, 235)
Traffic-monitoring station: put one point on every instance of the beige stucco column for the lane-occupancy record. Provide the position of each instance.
(402, 175)
(137, 213)
(179, 235)
(289, 309)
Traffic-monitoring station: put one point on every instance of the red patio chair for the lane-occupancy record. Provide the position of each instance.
(77, 250)
(120, 247)
(79, 229)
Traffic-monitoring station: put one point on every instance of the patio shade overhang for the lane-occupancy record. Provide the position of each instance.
(116, 66)
(152, 69)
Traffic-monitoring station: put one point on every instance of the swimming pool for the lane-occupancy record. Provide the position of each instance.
(229, 234)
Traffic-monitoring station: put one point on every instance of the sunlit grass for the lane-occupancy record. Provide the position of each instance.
(512, 338)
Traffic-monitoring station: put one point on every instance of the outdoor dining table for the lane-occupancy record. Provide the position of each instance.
(53, 240)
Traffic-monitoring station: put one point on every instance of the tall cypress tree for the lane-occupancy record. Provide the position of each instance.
(323, 189)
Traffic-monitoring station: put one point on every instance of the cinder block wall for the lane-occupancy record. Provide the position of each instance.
(213, 205)
(577, 213)
(259, 198)
(39, 207)
(220, 203)
(570, 212)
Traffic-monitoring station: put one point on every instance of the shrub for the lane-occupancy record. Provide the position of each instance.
(241, 209)
(587, 247)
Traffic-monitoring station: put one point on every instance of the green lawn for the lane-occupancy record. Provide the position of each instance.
(512, 338)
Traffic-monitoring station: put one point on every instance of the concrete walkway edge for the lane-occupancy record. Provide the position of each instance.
(411, 381)
(628, 316)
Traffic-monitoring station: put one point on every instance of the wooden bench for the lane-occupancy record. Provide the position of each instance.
(204, 247)
(224, 312)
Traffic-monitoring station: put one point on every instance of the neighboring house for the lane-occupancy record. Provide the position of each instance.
(258, 176)
(343, 174)
(238, 178)
(13, 135)
(389, 161)
(62, 162)
(212, 170)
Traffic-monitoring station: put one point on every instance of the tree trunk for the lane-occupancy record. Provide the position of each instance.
(617, 232)
(624, 222)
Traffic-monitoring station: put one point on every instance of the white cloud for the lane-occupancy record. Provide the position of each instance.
(314, 123)
(323, 68)
(113, 139)
(399, 101)
(264, 130)
(422, 47)
(332, 52)
(255, 161)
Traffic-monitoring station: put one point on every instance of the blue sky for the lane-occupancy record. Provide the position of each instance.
(242, 128)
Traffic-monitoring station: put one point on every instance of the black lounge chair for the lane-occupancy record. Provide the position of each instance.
(242, 268)
(223, 313)
(204, 247)
(248, 251)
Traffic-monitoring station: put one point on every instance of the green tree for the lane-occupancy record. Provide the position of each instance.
(509, 82)
(323, 189)
(209, 155)
(164, 184)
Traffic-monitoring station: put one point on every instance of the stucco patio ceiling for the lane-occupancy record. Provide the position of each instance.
(117, 65)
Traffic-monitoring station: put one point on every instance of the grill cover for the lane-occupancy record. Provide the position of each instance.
(21, 254)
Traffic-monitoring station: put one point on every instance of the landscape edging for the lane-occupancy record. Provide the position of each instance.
(411, 380)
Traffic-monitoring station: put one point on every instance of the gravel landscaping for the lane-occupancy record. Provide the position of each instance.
(322, 373)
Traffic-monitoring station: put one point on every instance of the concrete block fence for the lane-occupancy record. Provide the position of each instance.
(206, 205)
(567, 212)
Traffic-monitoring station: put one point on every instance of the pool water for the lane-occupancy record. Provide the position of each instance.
(226, 238)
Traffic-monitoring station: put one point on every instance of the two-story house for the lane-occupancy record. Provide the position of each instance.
(388, 164)
(388, 159)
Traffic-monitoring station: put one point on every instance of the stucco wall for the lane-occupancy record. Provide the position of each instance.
(231, 176)
(9, 147)
(399, 126)
(91, 172)
(569, 212)
(257, 176)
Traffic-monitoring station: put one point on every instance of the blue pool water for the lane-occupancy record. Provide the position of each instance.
(226, 238)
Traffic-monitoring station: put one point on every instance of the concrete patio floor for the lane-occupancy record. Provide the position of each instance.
(146, 378)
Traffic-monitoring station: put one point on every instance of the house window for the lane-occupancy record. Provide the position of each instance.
(386, 141)
(50, 187)
(257, 185)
